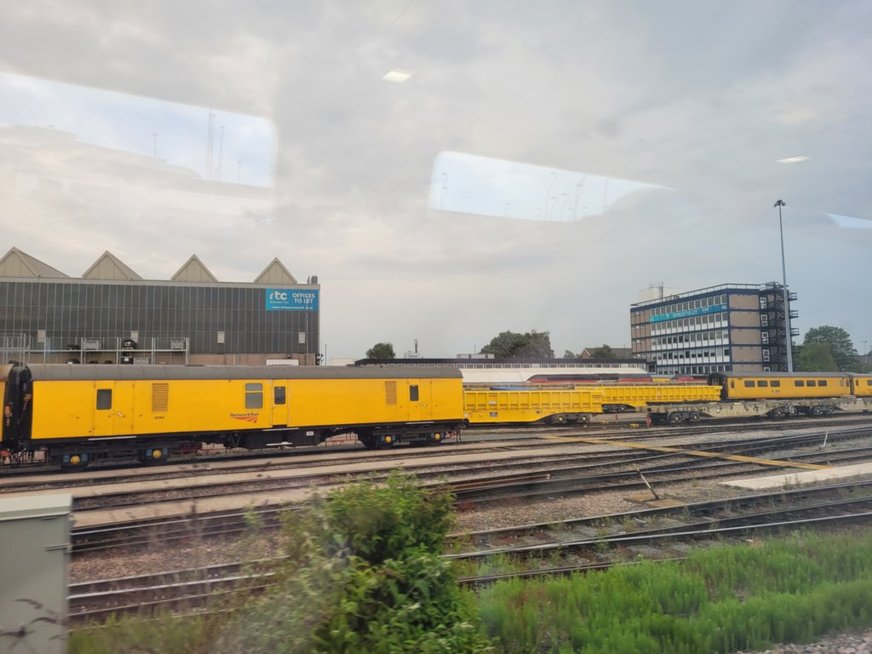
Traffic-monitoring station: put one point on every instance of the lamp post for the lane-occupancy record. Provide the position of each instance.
(787, 338)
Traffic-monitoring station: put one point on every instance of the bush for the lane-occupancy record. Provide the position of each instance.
(364, 575)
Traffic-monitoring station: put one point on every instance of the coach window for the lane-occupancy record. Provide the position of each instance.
(413, 393)
(279, 395)
(811, 382)
(762, 383)
(254, 396)
(799, 383)
(822, 382)
(776, 383)
(749, 384)
(104, 399)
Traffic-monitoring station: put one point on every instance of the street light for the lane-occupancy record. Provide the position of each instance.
(787, 338)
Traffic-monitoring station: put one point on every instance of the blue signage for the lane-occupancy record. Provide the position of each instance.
(717, 308)
(290, 299)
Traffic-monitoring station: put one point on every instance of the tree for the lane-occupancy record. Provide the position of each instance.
(815, 357)
(603, 352)
(512, 345)
(841, 347)
(569, 354)
(381, 351)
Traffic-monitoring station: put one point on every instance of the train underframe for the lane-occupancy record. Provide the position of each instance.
(775, 409)
(158, 448)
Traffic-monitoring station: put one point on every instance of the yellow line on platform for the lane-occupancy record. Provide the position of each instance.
(699, 453)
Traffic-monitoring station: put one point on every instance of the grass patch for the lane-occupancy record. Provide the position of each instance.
(720, 600)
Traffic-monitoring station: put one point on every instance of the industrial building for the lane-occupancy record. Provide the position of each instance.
(112, 315)
(730, 327)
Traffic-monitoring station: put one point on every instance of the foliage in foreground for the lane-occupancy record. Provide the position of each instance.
(364, 574)
(720, 600)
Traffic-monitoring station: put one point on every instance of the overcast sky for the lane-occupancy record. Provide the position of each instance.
(341, 172)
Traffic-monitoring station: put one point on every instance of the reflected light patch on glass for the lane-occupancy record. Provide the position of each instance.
(796, 159)
(397, 76)
(466, 183)
(214, 145)
(850, 222)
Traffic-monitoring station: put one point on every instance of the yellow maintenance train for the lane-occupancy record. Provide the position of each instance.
(78, 413)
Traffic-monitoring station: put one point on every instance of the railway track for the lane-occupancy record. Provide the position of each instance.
(198, 589)
(194, 480)
(26, 476)
(572, 475)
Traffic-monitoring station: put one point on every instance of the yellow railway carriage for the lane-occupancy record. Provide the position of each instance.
(637, 397)
(782, 385)
(861, 385)
(489, 406)
(83, 412)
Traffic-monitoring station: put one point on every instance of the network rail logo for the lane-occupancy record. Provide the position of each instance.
(288, 299)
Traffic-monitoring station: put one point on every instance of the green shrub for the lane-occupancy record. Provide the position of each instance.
(364, 573)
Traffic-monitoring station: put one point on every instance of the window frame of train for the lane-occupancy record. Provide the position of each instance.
(763, 383)
(749, 383)
(279, 395)
(414, 394)
(253, 395)
(104, 399)
(822, 382)
(799, 383)
(811, 382)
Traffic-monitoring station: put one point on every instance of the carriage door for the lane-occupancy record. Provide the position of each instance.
(418, 397)
(113, 408)
(280, 404)
(104, 408)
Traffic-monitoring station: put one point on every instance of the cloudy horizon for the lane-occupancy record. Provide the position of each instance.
(336, 171)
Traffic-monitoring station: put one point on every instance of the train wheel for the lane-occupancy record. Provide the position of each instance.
(154, 455)
(70, 461)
